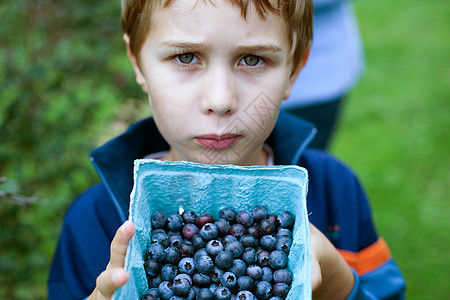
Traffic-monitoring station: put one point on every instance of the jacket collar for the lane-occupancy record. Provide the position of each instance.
(114, 161)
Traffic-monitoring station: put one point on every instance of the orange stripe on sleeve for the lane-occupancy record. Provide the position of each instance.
(369, 258)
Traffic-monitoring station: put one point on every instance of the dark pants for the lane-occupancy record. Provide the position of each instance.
(325, 116)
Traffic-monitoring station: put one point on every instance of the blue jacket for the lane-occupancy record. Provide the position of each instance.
(336, 203)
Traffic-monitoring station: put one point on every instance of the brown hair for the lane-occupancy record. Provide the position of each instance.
(136, 20)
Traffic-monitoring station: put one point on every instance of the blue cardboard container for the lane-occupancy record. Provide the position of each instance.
(171, 186)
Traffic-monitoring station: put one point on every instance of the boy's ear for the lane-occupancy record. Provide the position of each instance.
(140, 79)
(296, 72)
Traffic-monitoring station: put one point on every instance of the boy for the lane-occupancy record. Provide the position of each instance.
(216, 72)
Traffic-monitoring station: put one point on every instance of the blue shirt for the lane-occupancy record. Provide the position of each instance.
(336, 60)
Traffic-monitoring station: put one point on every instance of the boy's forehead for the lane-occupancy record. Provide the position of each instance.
(246, 6)
(194, 16)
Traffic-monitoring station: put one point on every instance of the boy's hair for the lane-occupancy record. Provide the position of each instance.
(136, 20)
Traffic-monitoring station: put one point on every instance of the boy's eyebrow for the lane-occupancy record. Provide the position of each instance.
(255, 48)
(244, 48)
(186, 45)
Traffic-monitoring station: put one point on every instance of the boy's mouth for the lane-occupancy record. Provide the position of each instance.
(215, 141)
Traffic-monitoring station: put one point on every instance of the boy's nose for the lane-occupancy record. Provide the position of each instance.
(219, 94)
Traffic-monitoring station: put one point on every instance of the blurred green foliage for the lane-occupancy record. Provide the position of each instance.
(64, 76)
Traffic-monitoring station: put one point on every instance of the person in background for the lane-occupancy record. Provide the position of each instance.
(335, 64)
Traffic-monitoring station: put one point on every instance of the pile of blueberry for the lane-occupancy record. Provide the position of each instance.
(243, 255)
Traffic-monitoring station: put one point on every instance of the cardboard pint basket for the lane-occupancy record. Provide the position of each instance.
(169, 186)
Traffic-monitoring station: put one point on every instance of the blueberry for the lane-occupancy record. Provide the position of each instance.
(284, 231)
(237, 230)
(189, 217)
(284, 243)
(198, 242)
(181, 287)
(158, 230)
(201, 280)
(187, 266)
(213, 247)
(165, 290)
(238, 268)
(254, 231)
(222, 293)
(205, 264)
(281, 290)
(205, 294)
(223, 226)
(158, 219)
(229, 239)
(259, 213)
(245, 218)
(200, 252)
(235, 248)
(263, 290)
(186, 248)
(209, 231)
(185, 276)
(175, 239)
(148, 297)
(268, 242)
(273, 218)
(277, 259)
(286, 219)
(160, 238)
(267, 226)
(282, 276)
(216, 274)
(228, 213)
(174, 222)
(154, 292)
(152, 267)
(249, 256)
(262, 258)
(154, 282)
(245, 295)
(172, 255)
(213, 287)
(255, 272)
(168, 272)
(192, 294)
(203, 219)
(156, 252)
(224, 259)
(245, 283)
(189, 230)
(267, 274)
(228, 280)
(249, 240)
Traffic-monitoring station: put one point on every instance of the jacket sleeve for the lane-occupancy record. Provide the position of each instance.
(83, 248)
(377, 276)
(339, 207)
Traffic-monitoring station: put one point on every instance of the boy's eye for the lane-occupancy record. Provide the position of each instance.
(186, 58)
(250, 60)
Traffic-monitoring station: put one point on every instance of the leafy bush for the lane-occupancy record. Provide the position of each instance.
(64, 76)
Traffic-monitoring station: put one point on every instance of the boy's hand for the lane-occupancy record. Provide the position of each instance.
(331, 276)
(114, 276)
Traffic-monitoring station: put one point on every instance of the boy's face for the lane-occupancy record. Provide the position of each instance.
(215, 80)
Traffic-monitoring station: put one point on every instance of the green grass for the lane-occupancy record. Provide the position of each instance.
(395, 134)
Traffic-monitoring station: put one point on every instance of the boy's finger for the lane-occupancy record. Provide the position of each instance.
(110, 280)
(120, 243)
